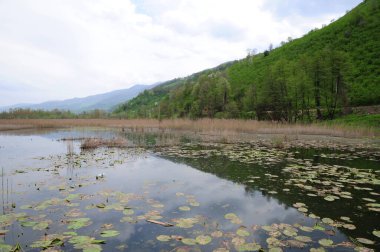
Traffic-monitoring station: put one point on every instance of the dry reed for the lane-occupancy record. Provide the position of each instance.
(220, 127)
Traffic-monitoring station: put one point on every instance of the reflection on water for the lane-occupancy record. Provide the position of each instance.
(53, 182)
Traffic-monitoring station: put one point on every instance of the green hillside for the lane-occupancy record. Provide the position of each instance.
(318, 76)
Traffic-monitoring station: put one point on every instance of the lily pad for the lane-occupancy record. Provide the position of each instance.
(329, 198)
(109, 233)
(365, 241)
(189, 241)
(203, 239)
(242, 232)
(128, 212)
(303, 238)
(163, 238)
(326, 242)
(217, 234)
(321, 249)
(376, 233)
(184, 208)
(78, 223)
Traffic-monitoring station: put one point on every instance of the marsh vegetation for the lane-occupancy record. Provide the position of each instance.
(137, 190)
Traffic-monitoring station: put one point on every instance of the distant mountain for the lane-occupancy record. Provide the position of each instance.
(107, 101)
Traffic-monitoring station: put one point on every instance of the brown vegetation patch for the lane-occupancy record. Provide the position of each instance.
(93, 143)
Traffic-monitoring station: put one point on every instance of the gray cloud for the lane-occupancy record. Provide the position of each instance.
(53, 49)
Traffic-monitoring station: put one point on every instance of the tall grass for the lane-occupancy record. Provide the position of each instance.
(219, 127)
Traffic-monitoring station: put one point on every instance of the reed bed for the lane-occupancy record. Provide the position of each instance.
(218, 127)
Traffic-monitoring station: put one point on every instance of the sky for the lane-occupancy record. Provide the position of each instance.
(59, 49)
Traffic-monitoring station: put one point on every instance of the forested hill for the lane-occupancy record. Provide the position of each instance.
(318, 76)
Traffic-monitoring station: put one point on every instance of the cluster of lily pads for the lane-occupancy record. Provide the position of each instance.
(190, 231)
(244, 153)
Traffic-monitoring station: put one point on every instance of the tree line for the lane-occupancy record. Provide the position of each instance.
(311, 87)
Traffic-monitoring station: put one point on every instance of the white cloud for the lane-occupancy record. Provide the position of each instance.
(67, 48)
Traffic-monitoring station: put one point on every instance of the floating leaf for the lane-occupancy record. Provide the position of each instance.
(326, 242)
(242, 232)
(327, 221)
(184, 208)
(317, 249)
(203, 239)
(28, 223)
(128, 212)
(302, 209)
(298, 204)
(217, 234)
(163, 238)
(290, 232)
(109, 233)
(376, 233)
(275, 249)
(365, 241)
(303, 238)
(78, 223)
(101, 205)
(230, 216)
(345, 218)
(306, 229)
(41, 225)
(267, 228)
(188, 241)
(329, 198)
(349, 226)
(5, 247)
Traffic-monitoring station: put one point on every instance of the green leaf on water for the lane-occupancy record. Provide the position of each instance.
(163, 238)
(275, 249)
(376, 233)
(5, 247)
(345, 218)
(290, 232)
(78, 223)
(329, 198)
(128, 212)
(230, 216)
(321, 249)
(327, 221)
(318, 227)
(242, 232)
(203, 239)
(189, 241)
(326, 242)
(184, 208)
(306, 229)
(302, 209)
(109, 233)
(41, 225)
(101, 205)
(72, 197)
(349, 226)
(299, 204)
(28, 223)
(267, 228)
(303, 238)
(217, 234)
(365, 241)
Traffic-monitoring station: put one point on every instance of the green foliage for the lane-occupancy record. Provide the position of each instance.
(359, 120)
(313, 77)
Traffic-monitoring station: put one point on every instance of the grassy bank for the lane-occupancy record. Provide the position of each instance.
(221, 127)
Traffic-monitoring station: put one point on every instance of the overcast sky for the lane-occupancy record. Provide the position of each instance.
(58, 49)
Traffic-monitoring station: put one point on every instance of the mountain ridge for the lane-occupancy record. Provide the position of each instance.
(104, 101)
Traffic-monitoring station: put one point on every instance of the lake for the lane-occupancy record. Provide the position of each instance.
(190, 197)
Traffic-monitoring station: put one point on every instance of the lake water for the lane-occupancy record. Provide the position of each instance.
(215, 197)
